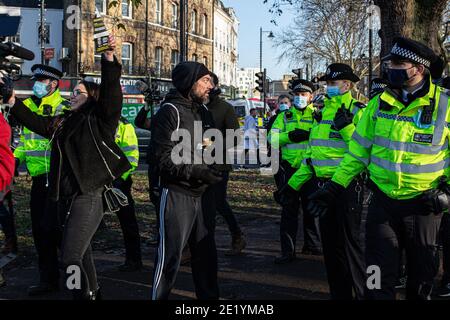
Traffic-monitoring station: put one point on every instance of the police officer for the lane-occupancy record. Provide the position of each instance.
(127, 140)
(290, 132)
(402, 139)
(284, 103)
(35, 151)
(340, 224)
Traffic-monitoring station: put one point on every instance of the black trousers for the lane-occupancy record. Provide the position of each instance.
(181, 223)
(129, 225)
(390, 223)
(46, 234)
(154, 189)
(340, 229)
(445, 236)
(289, 218)
(7, 219)
(221, 204)
(86, 213)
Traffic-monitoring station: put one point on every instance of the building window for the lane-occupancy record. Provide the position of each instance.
(159, 14)
(97, 60)
(205, 61)
(15, 39)
(174, 58)
(194, 57)
(127, 57)
(174, 15)
(204, 24)
(158, 60)
(100, 5)
(194, 21)
(127, 9)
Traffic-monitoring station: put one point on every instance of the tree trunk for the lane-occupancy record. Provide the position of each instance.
(417, 19)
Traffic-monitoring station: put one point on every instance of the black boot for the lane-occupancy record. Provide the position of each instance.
(284, 258)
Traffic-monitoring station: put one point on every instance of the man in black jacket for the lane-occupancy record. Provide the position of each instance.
(177, 150)
(224, 119)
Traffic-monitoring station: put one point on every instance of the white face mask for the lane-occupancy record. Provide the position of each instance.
(300, 102)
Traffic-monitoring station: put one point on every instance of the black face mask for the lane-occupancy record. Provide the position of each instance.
(397, 77)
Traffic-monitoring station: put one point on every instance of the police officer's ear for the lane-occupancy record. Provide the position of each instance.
(348, 85)
(54, 84)
(420, 68)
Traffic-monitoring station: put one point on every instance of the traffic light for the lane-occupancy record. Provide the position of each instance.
(291, 82)
(298, 72)
(261, 81)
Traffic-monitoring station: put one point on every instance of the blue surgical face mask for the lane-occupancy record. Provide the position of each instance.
(333, 91)
(300, 102)
(283, 107)
(40, 89)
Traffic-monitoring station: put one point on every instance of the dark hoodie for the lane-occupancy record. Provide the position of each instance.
(177, 111)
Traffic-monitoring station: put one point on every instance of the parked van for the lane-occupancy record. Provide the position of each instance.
(242, 109)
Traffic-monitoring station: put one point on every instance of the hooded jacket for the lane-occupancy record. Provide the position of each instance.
(178, 115)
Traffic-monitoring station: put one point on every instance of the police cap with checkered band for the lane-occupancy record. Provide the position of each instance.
(302, 85)
(339, 71)
(411, 50)
(377, 86)
(42, 71)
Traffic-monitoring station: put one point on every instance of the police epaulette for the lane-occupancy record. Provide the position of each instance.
(65, 103)
(289, 114)
(124, 120)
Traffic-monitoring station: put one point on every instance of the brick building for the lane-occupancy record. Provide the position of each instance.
(150, 41)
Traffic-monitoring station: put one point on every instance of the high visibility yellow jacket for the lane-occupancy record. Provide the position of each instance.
(326, 147)
(279, 134)
(127, 140)
(404, 158)
(34, 149)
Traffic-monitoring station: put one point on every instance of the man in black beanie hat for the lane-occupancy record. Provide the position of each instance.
(183, 179)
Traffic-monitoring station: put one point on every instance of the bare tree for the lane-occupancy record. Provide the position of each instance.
(418, 19)
(328, 31)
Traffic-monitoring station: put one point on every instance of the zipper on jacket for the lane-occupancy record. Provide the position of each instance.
(98, 149)
(118, 157)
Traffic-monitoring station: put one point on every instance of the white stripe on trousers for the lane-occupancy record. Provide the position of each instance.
(160, 265)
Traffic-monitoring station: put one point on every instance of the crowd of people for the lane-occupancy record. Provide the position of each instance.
(336, 154)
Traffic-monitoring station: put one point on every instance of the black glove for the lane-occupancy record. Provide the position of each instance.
(322, 199)
(206, 174)
(317, 115)
(298, 135)
(286, 195)
(342, 118)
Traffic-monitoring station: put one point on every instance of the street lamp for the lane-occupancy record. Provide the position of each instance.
(270, 36)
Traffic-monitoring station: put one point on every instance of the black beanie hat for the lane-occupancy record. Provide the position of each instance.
(185, 74)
